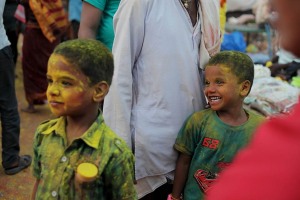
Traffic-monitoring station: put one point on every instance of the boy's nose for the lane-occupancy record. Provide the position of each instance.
(53, 90)
(210, 89)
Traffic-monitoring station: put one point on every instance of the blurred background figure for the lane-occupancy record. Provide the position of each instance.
(97, 20)
(223, 10)
(74, 11)
(42, 33)
(12, 26)
(236, 8)
(285, 65)
(10, 119)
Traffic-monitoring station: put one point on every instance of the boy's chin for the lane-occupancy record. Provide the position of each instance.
(214, 108)
(57, 114)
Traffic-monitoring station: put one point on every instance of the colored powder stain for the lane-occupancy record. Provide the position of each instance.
(56, 59)
(69, 72)
(82, 85)
(83, 52)
(88, 48)
(53, 60)
(225, 68)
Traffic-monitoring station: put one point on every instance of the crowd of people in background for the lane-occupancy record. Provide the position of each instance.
(142, 95)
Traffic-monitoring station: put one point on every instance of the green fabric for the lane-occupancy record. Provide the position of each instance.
(212, 145)
(106, 32)
(98, 145)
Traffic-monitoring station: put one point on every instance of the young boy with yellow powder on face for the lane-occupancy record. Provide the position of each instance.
(209, 139)
(76, 156)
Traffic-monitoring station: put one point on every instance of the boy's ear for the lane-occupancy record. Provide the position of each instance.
(245, 88)
(100, 91)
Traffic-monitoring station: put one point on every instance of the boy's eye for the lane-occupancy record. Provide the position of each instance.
(206, 83)
(49, 80)
(219, 82)
(66, 83)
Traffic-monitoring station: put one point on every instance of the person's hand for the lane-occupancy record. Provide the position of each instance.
(170, 197)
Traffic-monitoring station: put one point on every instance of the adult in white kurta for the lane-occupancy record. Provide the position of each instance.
(157, 82)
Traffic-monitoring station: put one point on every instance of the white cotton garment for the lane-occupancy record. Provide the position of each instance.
(158, 80)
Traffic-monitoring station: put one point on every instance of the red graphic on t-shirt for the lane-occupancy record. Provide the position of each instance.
(206, 178)
(210, 143)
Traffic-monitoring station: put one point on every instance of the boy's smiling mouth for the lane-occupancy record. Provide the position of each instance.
(214, 98)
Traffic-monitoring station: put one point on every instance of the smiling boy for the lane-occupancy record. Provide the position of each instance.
(209, 139)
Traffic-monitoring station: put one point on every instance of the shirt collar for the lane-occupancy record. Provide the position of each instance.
(91, 137)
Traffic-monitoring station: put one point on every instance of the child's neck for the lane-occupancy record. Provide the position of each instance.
(233, 118)
(74, 132)
(76, 127)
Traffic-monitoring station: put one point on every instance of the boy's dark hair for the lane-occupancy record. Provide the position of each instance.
(240, 64)
(90, 56)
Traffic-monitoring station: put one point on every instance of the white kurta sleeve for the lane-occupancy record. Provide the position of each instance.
(129, 34)
(211, 25)
(211, 31)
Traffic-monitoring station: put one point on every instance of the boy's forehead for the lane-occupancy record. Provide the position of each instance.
(219, 71)
(221, 67)
(58, 63)
(54, 59)
(59, 67)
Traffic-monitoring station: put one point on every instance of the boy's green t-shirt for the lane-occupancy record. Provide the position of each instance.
(105, 31)
(212, 145)
(55, 163)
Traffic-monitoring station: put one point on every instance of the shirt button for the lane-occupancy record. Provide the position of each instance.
(54, 193)
(64, 159)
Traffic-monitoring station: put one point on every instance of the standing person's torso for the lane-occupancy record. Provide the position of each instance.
(166, 80)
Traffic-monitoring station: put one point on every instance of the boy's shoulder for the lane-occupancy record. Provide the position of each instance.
(45, 125)
(203, 113)
(255, 116)
(112, 137)
(200, 117)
